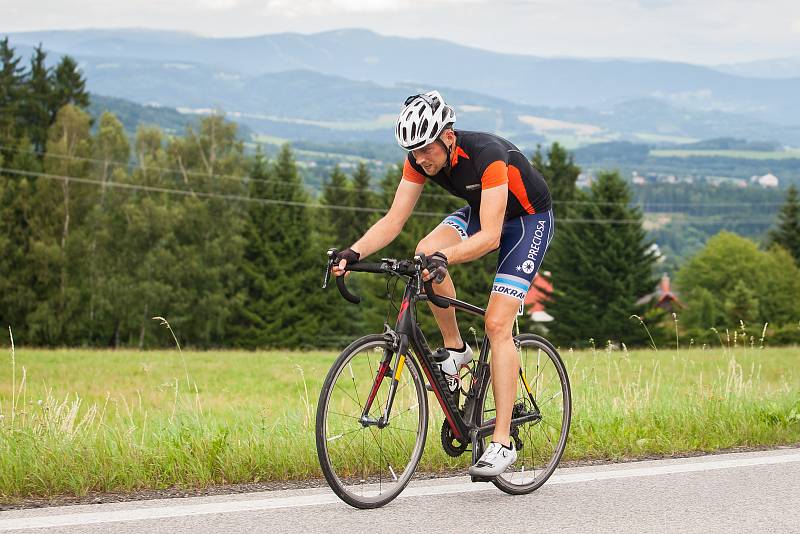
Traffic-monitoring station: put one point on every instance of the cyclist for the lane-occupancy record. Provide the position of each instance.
(508, 208)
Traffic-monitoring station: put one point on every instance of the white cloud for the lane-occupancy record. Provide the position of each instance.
(711, 31)
(218, 5)
(297, 8)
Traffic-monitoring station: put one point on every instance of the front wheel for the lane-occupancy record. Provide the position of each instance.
(368, 464)
(542, 385)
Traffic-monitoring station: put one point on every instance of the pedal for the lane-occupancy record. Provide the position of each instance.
(481, 479)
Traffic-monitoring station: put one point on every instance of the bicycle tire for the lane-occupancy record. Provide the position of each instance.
(505, 481)
(339, 473)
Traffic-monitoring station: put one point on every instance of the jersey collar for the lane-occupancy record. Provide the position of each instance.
(456, 154)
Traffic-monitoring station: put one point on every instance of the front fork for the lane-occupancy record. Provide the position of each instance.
(398, 349)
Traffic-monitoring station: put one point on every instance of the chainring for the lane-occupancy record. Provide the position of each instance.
(451, 445)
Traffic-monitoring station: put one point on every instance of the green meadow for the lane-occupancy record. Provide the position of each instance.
(78, 421)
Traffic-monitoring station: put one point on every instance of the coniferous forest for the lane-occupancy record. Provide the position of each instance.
(99, 233)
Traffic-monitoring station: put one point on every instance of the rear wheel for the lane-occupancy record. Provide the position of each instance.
(366, 465)
(543, 440)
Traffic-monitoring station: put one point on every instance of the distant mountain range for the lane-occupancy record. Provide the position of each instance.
(348, 85)
(776, 69)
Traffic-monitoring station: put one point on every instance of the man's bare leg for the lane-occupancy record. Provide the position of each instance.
(500, 314)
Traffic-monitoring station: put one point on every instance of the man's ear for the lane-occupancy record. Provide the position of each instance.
(450, 136)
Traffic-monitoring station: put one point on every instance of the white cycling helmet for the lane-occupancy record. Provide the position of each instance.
(422, 120)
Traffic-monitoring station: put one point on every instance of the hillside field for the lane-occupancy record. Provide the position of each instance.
(79, 421)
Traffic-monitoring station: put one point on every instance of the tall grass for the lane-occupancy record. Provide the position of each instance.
(78, 421)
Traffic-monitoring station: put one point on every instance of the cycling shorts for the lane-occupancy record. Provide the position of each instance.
(523, 243)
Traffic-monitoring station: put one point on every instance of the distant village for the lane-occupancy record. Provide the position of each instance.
(766, 181)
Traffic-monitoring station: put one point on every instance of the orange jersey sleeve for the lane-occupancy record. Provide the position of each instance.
(495, 174)
(411, 174)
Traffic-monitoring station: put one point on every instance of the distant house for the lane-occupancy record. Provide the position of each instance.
(538, 294)
(768, 180)
(663, 297)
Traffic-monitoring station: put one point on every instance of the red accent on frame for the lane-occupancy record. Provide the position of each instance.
(403, 307)
(443, 404)
(377, 384)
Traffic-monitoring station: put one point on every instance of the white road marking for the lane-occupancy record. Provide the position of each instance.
(139, 514)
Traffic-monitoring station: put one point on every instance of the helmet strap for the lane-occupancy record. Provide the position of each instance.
(447, 150)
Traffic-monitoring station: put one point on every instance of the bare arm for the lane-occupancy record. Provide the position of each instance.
(493, 209)
(389, 226)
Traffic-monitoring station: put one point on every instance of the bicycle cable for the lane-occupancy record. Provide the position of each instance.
(390, 295)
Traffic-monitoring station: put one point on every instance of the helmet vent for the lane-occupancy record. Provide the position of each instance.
(422, 119)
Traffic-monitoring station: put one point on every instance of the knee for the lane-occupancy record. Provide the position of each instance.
(497, 328)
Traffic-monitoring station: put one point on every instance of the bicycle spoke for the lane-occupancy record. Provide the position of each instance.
(375, 468)
(340, 388)
(542, 448)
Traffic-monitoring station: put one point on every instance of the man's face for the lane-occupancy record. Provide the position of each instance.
(431, 158)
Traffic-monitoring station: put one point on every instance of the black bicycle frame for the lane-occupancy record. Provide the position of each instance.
(407, 333)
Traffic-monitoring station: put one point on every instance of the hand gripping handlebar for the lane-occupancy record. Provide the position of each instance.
(387, 266)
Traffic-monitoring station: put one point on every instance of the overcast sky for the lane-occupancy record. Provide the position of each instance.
(696, 31)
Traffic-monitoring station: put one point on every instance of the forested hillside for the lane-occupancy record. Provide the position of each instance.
(101, 231)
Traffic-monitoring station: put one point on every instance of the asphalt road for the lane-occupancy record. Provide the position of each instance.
(743, 492)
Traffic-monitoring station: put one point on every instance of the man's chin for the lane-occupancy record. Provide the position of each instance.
(429, 173)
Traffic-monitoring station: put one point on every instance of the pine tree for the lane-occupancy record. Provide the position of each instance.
(284, 266)
(17, 289)
(561, 174)
(11, 90)
(38, 99)
(601, 269)
(334, 223)
(253, 324)
(787, 234)
(68, 87)
(360, 196)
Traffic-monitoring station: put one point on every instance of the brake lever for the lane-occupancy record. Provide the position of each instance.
(331, 258)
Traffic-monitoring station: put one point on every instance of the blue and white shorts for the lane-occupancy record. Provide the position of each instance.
(523, 244)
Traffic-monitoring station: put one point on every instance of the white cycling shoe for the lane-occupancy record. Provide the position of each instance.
(450, 362)
(494, 460)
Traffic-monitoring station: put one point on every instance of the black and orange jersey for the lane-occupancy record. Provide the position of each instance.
(481, 161)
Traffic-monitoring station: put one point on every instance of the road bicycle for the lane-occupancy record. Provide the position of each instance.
(372, 414)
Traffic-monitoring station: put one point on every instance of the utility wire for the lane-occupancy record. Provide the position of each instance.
(272, 201)
(281, 183)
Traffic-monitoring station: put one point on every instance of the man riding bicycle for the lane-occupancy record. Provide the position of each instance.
(508, 208)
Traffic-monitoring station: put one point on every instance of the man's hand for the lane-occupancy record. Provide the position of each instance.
(435, 268)
(345, 257)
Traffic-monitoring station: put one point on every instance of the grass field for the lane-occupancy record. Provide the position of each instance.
(75, 421)
(740, 154)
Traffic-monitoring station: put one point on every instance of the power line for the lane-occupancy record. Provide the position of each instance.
(281, 183)
(272, 201)
(140, 165)
(183, 192)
